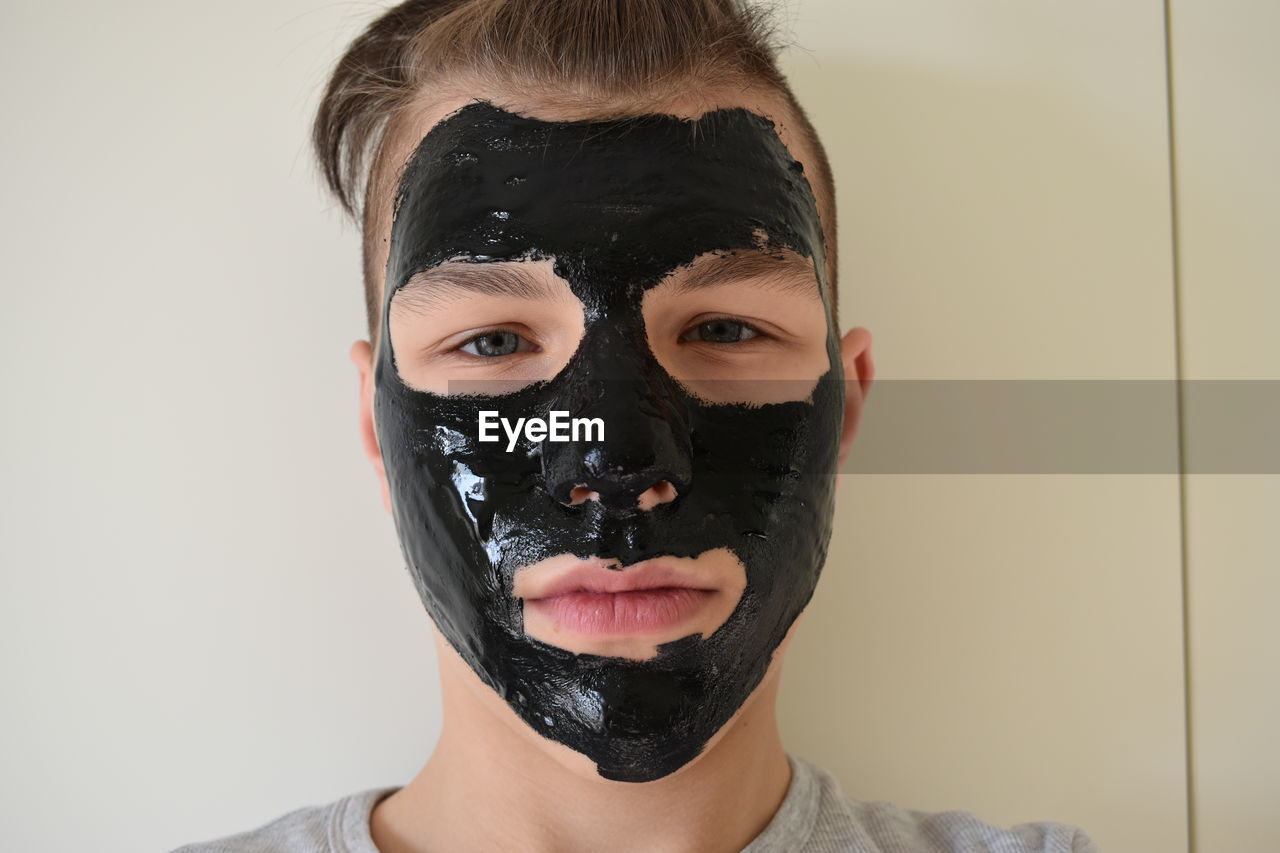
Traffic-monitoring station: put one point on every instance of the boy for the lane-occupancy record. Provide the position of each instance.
(605, 398)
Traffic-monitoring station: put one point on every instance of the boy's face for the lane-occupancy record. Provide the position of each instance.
(660, 282)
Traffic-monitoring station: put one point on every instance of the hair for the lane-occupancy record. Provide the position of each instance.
(616, 56)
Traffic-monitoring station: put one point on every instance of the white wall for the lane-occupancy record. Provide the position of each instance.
(205, 619)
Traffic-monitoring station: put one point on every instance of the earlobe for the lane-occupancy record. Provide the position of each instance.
(859, 371)
(361, 354)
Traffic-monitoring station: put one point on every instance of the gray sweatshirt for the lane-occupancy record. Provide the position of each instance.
(815, 817)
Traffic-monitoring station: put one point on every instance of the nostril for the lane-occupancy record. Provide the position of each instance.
(581, 494)
(662, 492)
(659, 493)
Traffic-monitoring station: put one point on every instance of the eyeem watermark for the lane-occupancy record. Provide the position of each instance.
(558, 427)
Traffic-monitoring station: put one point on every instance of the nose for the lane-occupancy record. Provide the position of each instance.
(643, 460)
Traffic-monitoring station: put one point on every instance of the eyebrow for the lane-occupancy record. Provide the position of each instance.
(786, 271)
(434, 288)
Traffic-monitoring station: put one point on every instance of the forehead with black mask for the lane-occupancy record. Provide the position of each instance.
(616, 206)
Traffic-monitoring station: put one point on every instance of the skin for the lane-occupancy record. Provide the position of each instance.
(552, 798)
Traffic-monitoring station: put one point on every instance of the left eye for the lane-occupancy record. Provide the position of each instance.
(719, 332)
(496, 343)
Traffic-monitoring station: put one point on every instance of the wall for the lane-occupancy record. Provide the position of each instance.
(1008, 644)
(205, 619)
(1228, 206)
(1026, 646)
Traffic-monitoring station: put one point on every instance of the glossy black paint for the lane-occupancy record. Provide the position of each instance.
(617, 204)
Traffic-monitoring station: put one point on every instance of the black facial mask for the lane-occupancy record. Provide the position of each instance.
(617, 205)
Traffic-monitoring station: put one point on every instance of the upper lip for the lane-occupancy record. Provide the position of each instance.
(593, 576)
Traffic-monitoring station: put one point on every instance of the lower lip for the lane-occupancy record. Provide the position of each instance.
(634, 612)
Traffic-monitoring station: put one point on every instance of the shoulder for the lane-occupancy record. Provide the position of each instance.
(341, 826)
(844, 824)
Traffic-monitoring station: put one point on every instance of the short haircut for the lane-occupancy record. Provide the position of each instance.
(628, 55)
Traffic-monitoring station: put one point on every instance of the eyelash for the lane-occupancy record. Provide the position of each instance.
(756, 331)
(474, 339)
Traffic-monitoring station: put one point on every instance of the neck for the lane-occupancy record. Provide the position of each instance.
(493, 783)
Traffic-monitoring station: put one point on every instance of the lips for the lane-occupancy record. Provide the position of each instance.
(635, 612)
(590, 599)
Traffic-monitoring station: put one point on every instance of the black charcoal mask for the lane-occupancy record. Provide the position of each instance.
(617, 205)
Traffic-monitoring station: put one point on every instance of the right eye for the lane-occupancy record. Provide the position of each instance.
(496, 343)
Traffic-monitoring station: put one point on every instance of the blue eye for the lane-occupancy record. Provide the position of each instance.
(494, 344)
(720, 331)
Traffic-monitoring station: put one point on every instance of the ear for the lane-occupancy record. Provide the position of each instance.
(859, 370)
(362, 358)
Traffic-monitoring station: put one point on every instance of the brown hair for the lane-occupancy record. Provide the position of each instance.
(626, 53)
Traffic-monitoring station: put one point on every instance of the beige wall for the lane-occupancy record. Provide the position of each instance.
(205, 618)
(1014, 645)
(1228, 138)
